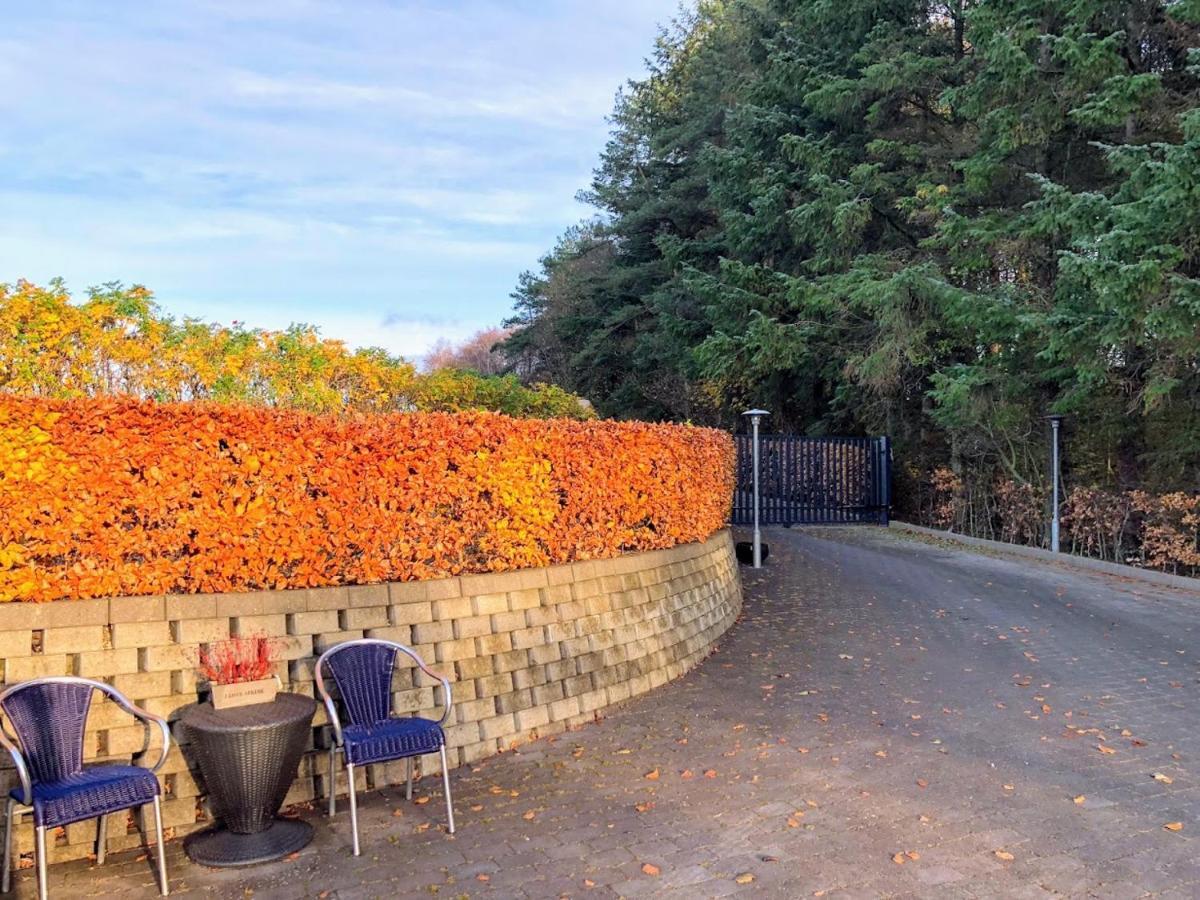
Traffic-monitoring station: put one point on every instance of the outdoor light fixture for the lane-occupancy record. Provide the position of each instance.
(1055, 428)
(756, 417)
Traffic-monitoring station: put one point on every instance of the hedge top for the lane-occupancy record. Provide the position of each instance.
(115, 497)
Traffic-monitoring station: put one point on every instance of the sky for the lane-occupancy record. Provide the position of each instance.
(383, 169)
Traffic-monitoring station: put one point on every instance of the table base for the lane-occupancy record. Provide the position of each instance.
(221, 849)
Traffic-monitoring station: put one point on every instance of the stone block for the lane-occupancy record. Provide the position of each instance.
(137, 609)
(450, 608)
(433, 632)
(139, 686)
(533, 717)
(261, 603)
(497, 727)
(511, 661)
(272, 625)
(200, 631)
(473, 626)
(322, 642)
(25, 667)
(74, 639)
(449, 651)
(367, 595)
(493, 644)
(190, 606)
(362, 617)
(414, 613)
(141, 634)
(313, 622)
(18, 642)
(441, 588)
(103, 664)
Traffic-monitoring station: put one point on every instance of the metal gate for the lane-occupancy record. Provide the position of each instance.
(814, 480)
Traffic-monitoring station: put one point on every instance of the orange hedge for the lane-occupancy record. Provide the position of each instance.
(113, 497)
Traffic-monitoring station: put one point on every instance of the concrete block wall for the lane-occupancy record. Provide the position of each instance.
(529, 653)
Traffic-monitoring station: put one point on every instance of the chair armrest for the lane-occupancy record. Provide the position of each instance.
(22, 769)
(447, 696)
(163, 727)
(138, 713)
(330, 706)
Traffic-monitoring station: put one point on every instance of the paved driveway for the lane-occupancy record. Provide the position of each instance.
(891, 717)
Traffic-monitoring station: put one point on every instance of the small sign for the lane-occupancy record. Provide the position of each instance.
(246, 693)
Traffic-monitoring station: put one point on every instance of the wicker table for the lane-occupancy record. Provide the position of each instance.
(248, 758)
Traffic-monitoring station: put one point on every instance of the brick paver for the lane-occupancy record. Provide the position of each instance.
(882, 699)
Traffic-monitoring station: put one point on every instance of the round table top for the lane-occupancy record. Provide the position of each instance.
(285, 709)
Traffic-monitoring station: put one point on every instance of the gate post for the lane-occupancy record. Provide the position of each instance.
(756, 416)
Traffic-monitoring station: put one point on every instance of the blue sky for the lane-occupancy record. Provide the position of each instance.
(383, 170)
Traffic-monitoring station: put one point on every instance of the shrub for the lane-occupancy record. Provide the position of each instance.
(119, 343)
(108, 497)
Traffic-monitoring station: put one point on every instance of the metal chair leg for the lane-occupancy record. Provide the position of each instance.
(353, 806)
(40, 833)
(408, 784)
(101, 839)
(332, 786)
(8, 817)
(446, 788)
(162, 849)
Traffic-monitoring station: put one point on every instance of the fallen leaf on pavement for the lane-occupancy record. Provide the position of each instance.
(1174, 826)
(1079, 800)
(1165, 779)
(1104, 749)
(651, 869)
(652, 775)
(744, 878)
(1004, 855)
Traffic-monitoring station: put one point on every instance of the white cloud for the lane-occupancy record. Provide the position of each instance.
(293, 159)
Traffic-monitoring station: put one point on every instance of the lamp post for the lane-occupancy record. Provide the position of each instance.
(756, 417)
(1055, 427)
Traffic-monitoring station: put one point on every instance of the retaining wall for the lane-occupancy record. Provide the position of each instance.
(529, 652)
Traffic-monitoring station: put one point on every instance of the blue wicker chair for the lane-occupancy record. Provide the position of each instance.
(48, 716)
(362, 671)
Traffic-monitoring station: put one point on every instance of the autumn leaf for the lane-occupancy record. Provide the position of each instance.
(651, 869)
(1106, 750)
(652, 775)
(1165, 779)
(529, 815)
(1004, 855)
(744, 878)
(710, 773)
(1174, 826)
(1079, 801)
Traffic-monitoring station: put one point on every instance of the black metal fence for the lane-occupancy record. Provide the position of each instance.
(814, 480)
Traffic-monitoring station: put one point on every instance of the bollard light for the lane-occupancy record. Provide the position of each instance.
(756, 417)
(1055, 427)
